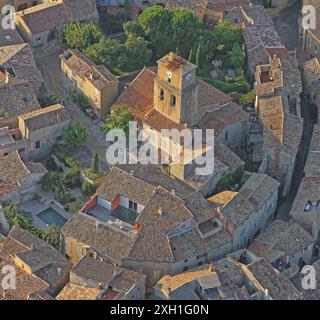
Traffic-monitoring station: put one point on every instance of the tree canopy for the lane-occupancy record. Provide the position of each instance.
(119, 119)
(81, 35)
(156, 32)
(75, 135)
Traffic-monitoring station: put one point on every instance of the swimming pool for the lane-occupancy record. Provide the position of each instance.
(51, 217)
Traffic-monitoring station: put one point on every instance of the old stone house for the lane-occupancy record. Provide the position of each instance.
(95, 279)
(149, 222)
(19, 179)
(17, 62)
(97, 83)
(286, 245)
(42, 25)
(34, 133)
(250, 210)
(241, 275)
(40, 268)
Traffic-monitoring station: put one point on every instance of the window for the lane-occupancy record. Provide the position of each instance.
(161, 96)
(38, 38)
(38, 144)
(173, 100)
(185, 261)
(185, 268)
(226, 136)
(133, 205)
(309, 40)
(315, 47)
(21, 150)
(7, 37)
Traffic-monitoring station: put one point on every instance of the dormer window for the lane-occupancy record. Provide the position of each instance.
(161, 95)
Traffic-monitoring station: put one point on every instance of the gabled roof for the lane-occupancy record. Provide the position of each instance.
(16, 98)
(106, 240)
(119, 182)
(281, 239)
(222, 117)
(45, 117)
(44, 17)
(12, 171)
(84, 68)
(46, 263)
(19, 58)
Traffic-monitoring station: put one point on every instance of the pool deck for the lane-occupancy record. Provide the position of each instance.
(34, 208)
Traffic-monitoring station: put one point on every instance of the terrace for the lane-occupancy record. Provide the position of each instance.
(120, 213)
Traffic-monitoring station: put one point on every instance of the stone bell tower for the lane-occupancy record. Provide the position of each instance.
(176, 89)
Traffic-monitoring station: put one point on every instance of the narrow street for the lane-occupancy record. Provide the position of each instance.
(50, 68)
(287, 26)
(286, 204)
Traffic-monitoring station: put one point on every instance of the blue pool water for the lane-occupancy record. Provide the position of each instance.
(51, 217)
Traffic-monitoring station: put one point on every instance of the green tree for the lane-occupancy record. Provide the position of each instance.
(53, 236)
(248, 99)
(185, 31)
(75, 135)
(119, 119)
(81, 35)
(156, 24)
(87, 188)
(137, 52)
(190, 55)
(133, 29)
(198, 55)
(236, 57)
(95, 163)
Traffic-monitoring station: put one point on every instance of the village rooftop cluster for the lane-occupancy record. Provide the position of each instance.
(76, 227)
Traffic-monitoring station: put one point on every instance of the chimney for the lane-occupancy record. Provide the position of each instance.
(97, 224)
(91, 76)
(32, 246)
(173, 192)
(59, 271)
(137, 227)
(160, 211)
(131, 172)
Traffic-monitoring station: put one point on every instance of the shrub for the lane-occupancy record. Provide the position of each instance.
(51, 164)
(75, 135)
(65, 157)
(87, 188)
(24, 221)
(248, 99)
(50, 181)
(79, 99)
(71, 178)
(238, 86)
(62, 196)
(95, 163)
